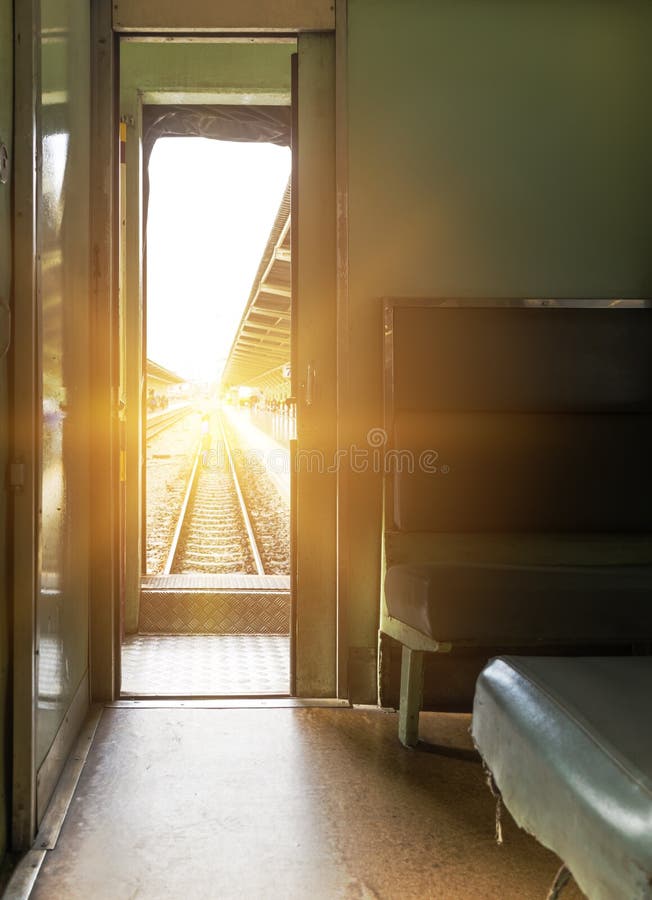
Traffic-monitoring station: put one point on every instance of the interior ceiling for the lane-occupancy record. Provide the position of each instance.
(261, 347)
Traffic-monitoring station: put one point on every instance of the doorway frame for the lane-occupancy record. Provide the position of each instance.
(105, 610)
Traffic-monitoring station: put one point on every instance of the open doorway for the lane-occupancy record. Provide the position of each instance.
(214, 610)
(294, 395)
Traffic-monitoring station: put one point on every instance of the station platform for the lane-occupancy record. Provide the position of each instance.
(280, 428)
(267, 435)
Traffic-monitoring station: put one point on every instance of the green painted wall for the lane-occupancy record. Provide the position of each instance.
(496, 149)
(205, 67)
(6, 129)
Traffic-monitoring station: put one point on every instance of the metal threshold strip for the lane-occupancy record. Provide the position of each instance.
(244, 702)
(206, 582)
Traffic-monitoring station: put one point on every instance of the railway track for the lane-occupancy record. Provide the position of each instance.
(214, 532)
(160, 421)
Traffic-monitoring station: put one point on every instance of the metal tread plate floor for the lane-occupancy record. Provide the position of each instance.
(205, 665)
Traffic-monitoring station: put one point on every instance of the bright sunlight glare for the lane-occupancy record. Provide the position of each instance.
(212, 205)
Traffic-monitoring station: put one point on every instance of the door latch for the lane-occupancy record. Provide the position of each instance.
(5, 328)
(4, 163)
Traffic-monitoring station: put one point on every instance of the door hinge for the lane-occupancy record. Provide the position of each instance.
(16, 476)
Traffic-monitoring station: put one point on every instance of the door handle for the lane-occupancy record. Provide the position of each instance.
(311, 378)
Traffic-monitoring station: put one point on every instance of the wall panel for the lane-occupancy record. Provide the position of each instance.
(63, 290)
(495, 149)
(223, 15)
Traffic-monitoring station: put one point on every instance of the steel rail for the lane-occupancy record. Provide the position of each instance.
(174, 545)
(260, 569)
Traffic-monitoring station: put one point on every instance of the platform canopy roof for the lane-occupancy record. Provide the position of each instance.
(160, 374)
(260, 352)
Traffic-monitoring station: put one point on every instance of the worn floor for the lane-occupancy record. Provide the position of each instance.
(285, 803)
(205, 664)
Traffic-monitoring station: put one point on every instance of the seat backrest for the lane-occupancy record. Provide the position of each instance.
(518, 419)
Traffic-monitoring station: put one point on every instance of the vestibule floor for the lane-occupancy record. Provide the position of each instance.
(286, 803)
(205, 664)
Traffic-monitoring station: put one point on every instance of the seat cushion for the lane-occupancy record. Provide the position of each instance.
(569, 743)
(492, 604)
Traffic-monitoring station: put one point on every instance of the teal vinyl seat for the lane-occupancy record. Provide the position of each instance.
(568, 742)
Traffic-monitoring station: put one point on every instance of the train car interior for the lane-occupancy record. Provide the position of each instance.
(326, 418)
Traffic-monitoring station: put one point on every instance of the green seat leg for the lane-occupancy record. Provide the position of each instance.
(411, 696)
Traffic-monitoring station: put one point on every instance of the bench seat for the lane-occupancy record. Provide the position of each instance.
(569, 744)
(525, 425)
(504, 604)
